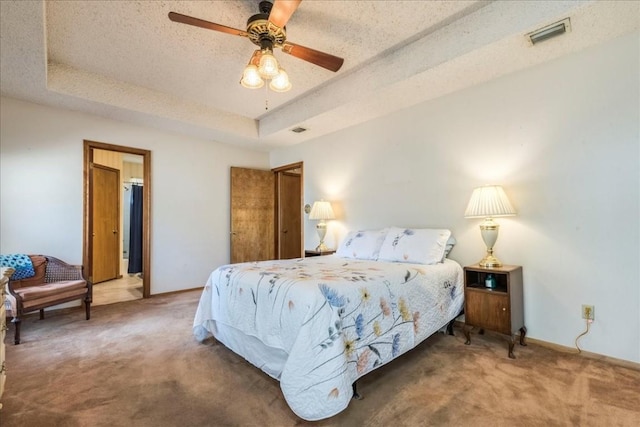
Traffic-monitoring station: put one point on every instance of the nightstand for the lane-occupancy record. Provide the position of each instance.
(308, 253)
(499, 308)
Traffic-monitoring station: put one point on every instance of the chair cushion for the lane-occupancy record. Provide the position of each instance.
(52, 289)
(36, 304)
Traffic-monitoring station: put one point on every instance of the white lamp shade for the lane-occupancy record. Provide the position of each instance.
(321, 210)
(489, 201)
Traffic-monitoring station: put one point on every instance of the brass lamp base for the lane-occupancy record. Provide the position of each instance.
(489, 230)
(322, 231)
(322, 247)
(489, 261)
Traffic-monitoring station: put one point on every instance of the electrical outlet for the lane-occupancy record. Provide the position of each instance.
(588, 312)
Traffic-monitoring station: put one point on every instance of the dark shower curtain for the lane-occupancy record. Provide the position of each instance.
(135, 231)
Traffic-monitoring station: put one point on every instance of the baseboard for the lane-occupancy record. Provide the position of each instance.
(564, 349)
(177, 292)
(587, 354)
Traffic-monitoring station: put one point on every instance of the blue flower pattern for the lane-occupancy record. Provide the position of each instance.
(359, 325)
(332, 296)
(395, 345)
(406, 232)
(348, 242)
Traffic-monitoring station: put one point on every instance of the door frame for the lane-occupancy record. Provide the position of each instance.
(278, 227)
(87, 246)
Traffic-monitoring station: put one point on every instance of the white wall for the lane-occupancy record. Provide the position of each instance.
(41, 151)
(562, 138)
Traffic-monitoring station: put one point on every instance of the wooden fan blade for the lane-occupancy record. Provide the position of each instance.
(324, 60)
(282, 11)
(184, 19)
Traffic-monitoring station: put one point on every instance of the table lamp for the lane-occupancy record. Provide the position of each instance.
(321, 211)
(487, 202)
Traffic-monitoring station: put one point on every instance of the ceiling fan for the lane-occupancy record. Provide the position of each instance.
(267, 30)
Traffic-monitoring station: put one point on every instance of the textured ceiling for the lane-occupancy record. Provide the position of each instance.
(126, 60)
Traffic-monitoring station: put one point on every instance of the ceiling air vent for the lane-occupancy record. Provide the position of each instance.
(550, 31)
(299, 129)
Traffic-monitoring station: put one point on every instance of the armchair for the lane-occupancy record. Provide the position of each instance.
(55, 282)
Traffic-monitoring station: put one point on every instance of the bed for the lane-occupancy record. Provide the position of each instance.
(318, 324)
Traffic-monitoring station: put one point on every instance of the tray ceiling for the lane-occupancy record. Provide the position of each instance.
(126, 60)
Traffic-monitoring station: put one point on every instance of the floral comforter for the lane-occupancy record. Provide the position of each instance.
(335, 319)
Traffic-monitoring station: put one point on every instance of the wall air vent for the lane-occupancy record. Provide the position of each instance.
(298, 129)
(550, 31)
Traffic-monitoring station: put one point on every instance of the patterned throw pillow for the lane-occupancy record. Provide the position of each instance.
(364, 244)
(21, 263)
(418, 246)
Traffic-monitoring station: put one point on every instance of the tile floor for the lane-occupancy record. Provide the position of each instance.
(128, 288)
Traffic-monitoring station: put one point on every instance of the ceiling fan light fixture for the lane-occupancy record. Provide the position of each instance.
(267, 30)
(280, 83)
(268, 67)
(251, 78)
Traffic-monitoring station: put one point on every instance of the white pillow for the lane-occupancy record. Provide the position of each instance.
(363, 244)
(418, 246)
(450, 244)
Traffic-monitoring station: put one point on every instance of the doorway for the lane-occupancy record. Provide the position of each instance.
(266, 213)
(288, 201)
(98, 157)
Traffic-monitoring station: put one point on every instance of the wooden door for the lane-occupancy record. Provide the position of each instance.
(289, 215)
(252, 215)
(105, 198)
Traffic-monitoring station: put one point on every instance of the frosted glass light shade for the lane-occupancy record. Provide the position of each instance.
(263, 66)
(280, 83)
(251, 78)
(268, 67)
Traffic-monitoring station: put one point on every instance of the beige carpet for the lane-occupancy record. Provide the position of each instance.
(137, 364)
